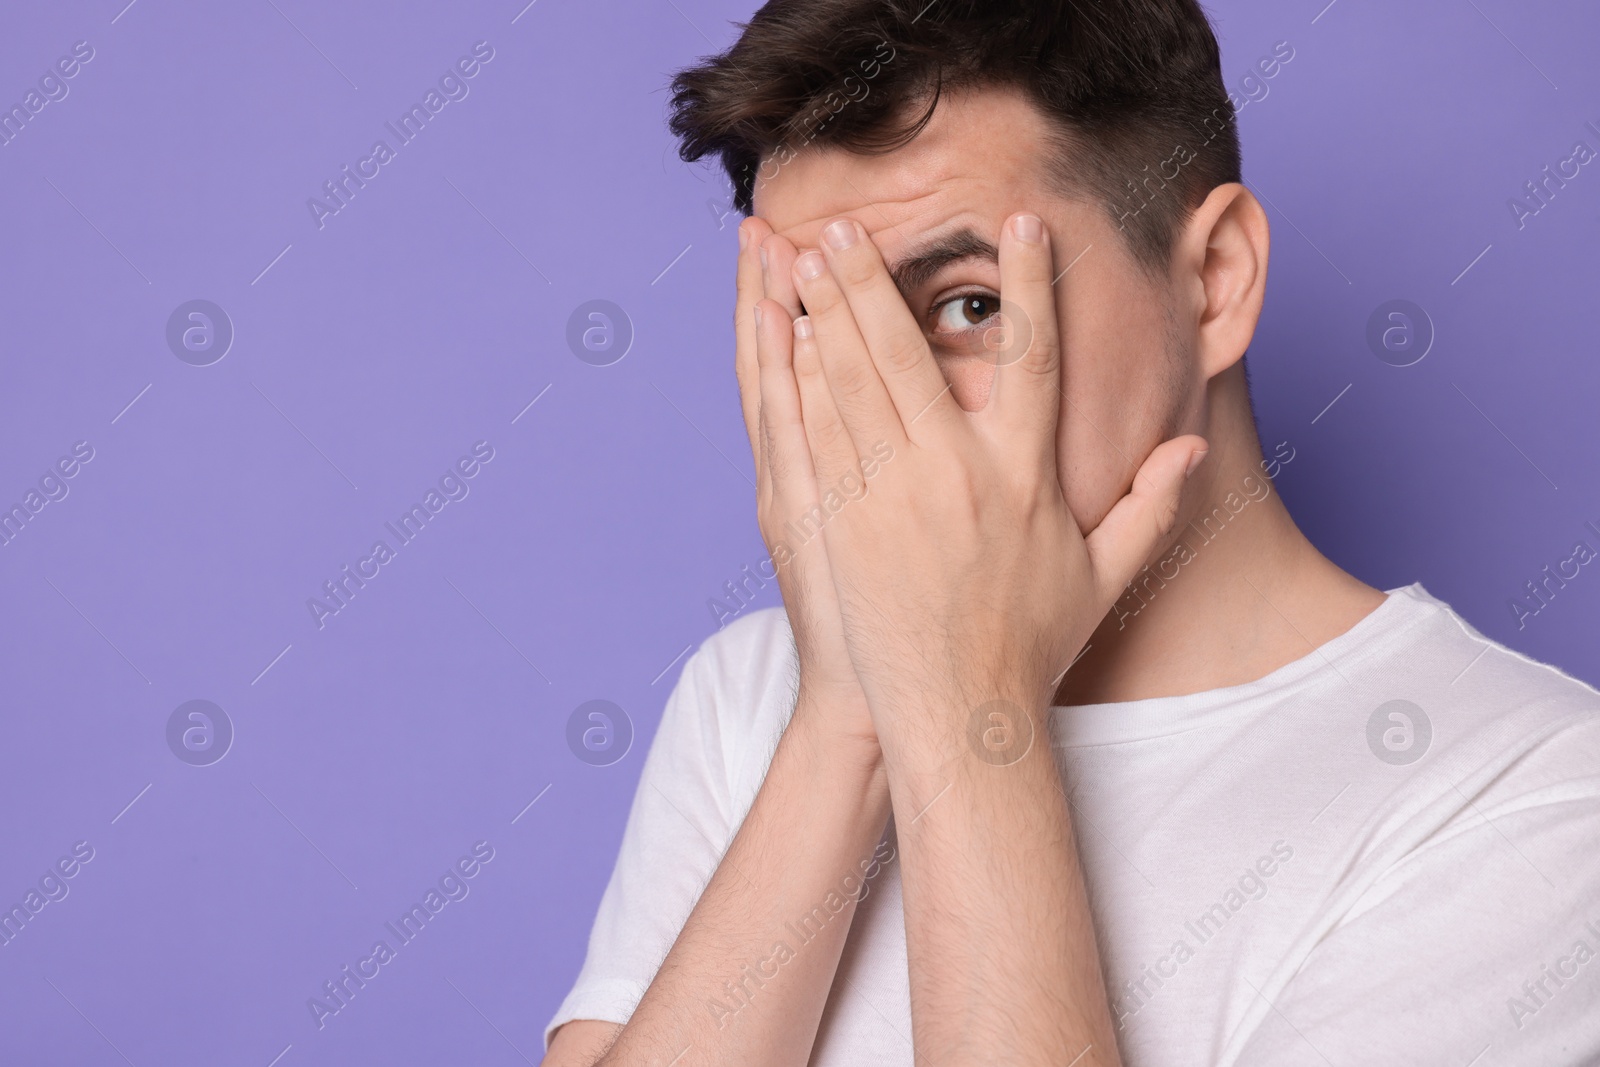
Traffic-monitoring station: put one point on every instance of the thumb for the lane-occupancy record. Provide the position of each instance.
(1122, 542)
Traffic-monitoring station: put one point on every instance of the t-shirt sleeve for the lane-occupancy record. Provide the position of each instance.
(1487, 938)
(678, 829)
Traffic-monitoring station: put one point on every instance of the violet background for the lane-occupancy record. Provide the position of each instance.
(427, 315)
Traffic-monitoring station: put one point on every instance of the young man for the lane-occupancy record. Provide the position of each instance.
(1067, 747)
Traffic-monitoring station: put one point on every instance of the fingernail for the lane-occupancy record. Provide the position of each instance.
(802, 327)
(744, 237)
(1194, 461)
(810, 266)
(758, 315)
(1028, 228)
(840, 235)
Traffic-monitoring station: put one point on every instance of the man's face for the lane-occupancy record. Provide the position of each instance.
(935, 207)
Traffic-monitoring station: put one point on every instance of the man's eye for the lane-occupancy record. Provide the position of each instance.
(964, 312)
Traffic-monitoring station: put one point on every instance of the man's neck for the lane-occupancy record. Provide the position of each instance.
(1240, 593)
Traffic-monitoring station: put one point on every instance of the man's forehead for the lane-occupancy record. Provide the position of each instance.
(905, 197)
(973, 161)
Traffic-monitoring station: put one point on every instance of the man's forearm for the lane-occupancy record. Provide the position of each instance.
(1000, 942)
(740, 986)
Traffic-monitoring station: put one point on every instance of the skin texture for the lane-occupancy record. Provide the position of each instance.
(983, 560)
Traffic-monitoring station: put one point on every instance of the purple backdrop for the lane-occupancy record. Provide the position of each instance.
(234, 456)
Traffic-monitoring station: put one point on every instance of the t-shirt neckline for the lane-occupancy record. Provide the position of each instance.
(1136, 720)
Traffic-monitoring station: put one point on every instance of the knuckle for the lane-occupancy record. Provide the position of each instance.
(1166, 515)
(903, 350)
(849, 379)
(821, 298)
(855, 267)
(807, 363)
(767, 520)
(829, 435)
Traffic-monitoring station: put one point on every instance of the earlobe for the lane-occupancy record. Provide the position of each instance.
(1232, 273)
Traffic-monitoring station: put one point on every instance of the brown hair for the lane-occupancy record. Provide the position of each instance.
(1133, 87)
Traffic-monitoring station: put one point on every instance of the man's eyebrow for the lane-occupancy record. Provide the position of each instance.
(912, 270)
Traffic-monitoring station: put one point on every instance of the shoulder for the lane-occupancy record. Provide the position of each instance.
(749, 657)
(1506, 729)
(1482, 678)
(739, 686)
(1494, 781)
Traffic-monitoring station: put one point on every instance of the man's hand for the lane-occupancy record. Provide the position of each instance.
(963, 579)
(786, 485)
(962, 576)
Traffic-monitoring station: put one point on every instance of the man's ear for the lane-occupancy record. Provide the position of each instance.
(1220, 260)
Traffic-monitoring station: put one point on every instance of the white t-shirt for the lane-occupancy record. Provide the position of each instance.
(1291, 871)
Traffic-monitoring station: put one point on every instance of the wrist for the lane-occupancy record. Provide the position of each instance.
(937, 730)
(836, 725)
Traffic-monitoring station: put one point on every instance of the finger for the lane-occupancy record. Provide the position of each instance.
(892, 335)
(1025, 398)
(786, 451)
(863, 403)
(751, 233)
(833, 452)
(777, 274)
(1133, 528)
